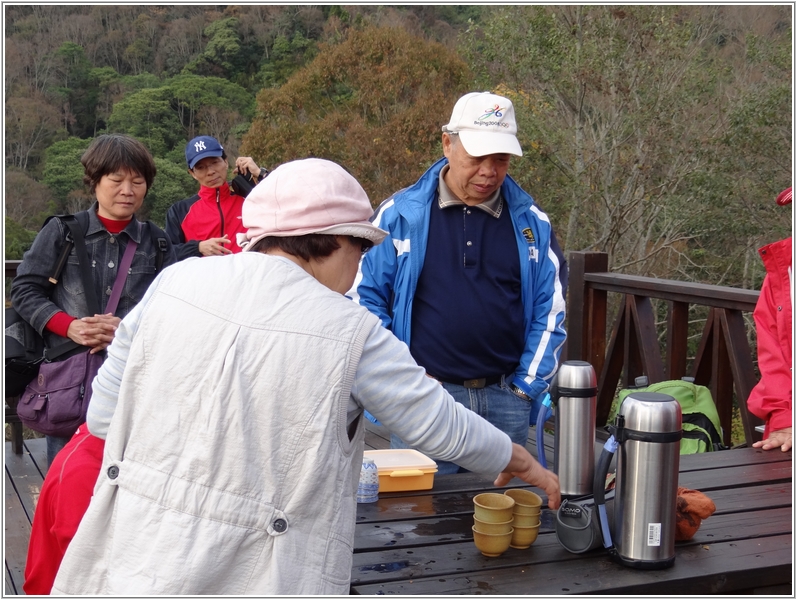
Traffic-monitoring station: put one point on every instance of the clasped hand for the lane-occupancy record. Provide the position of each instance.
(96, 332)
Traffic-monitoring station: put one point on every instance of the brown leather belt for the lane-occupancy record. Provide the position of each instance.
(474, 384)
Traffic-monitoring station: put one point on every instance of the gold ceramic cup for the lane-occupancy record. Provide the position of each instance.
(526, 502)
(523, 537)
(492, 544)
(493, 508)
(519, 520)
(485, 527)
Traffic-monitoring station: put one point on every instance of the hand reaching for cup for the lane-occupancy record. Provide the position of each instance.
(523, 466)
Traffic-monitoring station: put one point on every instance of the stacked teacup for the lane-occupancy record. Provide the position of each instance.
(525, 517)
(492, 523)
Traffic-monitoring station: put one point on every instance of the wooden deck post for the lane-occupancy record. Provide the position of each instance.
(586, 310)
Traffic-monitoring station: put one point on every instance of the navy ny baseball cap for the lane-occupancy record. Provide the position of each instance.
(202, 147)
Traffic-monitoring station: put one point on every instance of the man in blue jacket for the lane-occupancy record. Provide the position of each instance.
(471, 276)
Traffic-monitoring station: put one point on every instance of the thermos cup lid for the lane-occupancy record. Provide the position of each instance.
(651, 412)
(576, 378)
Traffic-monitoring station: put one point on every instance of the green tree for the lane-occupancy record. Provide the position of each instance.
(287, 56)
(172, 183)
(374, 103)
(210, 105)
(107, 82)
(77, 88)
(149, 116)
(753, 157)
(138, 54)
(621, 113)
(63, 172)
(27, 201)
(165, 117)
(17, 239)
(142, 81)
(222, 56)
(113, 87)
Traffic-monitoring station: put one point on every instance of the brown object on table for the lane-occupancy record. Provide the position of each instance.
(691, 507)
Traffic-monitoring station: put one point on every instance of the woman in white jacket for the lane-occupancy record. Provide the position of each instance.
(232, 406)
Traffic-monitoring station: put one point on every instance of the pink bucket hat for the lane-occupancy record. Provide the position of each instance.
(306, 196)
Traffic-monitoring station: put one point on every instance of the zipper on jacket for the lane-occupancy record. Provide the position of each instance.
(221, 212)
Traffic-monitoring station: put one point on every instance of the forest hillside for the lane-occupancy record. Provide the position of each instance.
(658, 134)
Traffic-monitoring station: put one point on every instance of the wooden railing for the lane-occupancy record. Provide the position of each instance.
(11, 403)
(723, 361)
(11, 268)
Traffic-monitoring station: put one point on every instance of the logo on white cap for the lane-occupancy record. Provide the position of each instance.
(495, 111)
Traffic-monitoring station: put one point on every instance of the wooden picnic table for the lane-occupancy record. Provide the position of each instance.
(420, 543)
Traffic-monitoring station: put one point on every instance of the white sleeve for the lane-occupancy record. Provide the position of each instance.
(105, 387)
(391, 386)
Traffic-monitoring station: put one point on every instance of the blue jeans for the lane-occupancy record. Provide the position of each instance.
(495, 403)
(54, 445)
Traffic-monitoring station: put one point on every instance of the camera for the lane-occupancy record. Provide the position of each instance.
(243, 183)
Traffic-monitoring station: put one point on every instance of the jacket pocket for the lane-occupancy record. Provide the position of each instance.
(160, 550)
(336, 570)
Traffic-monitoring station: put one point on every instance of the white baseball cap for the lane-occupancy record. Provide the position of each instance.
(486, 124)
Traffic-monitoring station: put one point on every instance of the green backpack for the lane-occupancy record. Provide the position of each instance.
(699, 417)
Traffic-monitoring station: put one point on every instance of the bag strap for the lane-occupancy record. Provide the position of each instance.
(121, 275)
(50, 354)
(155, 233)
(74, 238)
(83, 260)
(62, 258)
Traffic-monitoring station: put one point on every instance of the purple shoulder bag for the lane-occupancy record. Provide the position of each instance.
(56, 402)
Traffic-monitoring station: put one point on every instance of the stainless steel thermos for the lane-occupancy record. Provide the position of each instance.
(574, 440)
(646, 436)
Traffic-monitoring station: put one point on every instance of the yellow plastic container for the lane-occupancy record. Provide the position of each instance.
(403, 469)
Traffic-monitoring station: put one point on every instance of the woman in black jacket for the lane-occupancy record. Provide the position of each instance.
(119, 171)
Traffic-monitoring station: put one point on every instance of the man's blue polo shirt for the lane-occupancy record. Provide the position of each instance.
(467, 313)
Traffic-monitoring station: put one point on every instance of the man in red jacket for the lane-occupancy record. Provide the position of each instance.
(64, 498)
(207, 223)
(771, 398)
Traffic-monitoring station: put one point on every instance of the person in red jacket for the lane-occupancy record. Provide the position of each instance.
(64, 498)
(206, 224)
(771, 398)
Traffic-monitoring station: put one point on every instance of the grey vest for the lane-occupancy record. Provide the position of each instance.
(235, 471)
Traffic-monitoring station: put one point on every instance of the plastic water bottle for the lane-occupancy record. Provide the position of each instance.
(368, 488)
